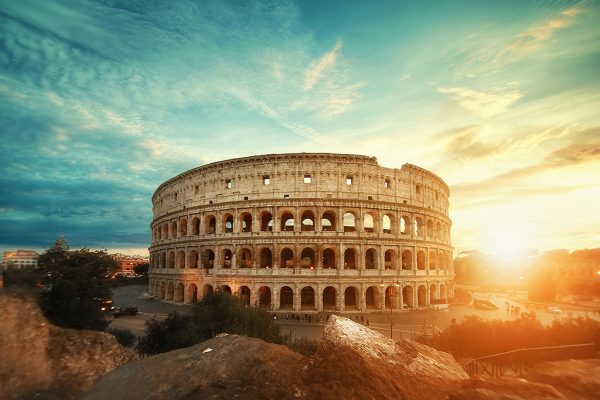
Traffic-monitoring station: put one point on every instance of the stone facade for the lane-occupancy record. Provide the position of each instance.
(303, 232)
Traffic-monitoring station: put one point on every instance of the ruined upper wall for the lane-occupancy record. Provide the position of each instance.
(278, 176)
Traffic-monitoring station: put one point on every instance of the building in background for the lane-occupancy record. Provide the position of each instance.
(19, 259)
(128, 263)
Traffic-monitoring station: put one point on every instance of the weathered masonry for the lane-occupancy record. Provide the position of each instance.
(303, 232)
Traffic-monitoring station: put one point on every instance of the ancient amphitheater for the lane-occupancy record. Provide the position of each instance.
(303, 232)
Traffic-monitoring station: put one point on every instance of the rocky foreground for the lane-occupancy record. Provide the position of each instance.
(352, 362)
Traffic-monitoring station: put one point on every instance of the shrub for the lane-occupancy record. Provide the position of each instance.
(214, 314)
(124, 336)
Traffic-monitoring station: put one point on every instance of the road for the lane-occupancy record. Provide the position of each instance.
(405, 323)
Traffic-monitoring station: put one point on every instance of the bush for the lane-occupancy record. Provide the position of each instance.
(216, 313)
(124, 336)
(474, 337)
(304, 346)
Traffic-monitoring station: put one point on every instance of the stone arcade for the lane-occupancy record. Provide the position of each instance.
(303, 232)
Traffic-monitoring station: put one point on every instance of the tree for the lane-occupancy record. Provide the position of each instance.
(214, 314)
(141, 269)
(77, 282)
(540, 285)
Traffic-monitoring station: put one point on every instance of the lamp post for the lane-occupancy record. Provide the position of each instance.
(391, 298)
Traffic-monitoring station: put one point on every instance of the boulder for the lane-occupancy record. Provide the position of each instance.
(506, 388)
(225, 367)
(576, 379)
(40, 360)
(353, 361)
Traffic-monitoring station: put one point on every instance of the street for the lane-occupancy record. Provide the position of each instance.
(405, 323)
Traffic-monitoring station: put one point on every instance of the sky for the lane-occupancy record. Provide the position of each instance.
(101, 101)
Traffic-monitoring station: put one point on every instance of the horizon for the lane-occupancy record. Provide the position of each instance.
(101, 104)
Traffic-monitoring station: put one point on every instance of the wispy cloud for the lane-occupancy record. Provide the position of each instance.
(482, 103)
(537, 36)
(314, 72)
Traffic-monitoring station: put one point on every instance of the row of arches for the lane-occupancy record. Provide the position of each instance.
(312, 297)
(303, 221)
(328, 257)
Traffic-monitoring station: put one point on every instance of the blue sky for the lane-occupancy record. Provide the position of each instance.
(101, 101)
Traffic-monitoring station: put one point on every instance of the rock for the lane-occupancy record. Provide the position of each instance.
(40, 360)
(507, 388)
(355, 362)
(225, 367)
(576, 379)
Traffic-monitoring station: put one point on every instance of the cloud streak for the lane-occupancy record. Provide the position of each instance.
(314, 72)
(481, 103)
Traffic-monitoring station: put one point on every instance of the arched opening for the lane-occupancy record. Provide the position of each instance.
(387, 223)
(419, 227)
(225, 289)
(264, 297)
(391, 296)
(407, 297)
(192, 293)
(368, 224)
(163, 260)
(179, 292)
(439, 233)
(246, 220)
(286, 300)
(181, 259)
(227, 258)
(210, 225)
(329, 258)
(371, 300)
(287, 222)
(349, 259)
(328, 222)
(349, 222)
(443, 295)
(351, 298)
(307, 258)
(371, 259)
(165, 230)
(406, 259)
(266, 222)
(404, 224)
(307, 298)
(421, 260)
(287, 258)
(430, 232)
(228, 223)
(266, 258)
(308, 221)
(245, 258)
(171, 259)
(170, 291)
(441, 260)
(390, 259)
(196, 226)
(193, 259)
(173, 230)
(329, 298)
(432, 260)
(432, 294)
(244, 293)
(162, 293)
(183, 228)
(206, 290)
(208, 259)
(422, 296)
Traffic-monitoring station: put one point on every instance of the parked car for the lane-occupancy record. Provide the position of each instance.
(125, 311)
(554, 310)
(484, 304)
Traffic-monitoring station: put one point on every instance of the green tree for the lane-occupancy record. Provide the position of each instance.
(216, 313)
(141, 269)
(76, 282)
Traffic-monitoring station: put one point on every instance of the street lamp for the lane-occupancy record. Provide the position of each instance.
(391, 298)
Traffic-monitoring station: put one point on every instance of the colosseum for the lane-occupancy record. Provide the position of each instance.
(304, 232)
